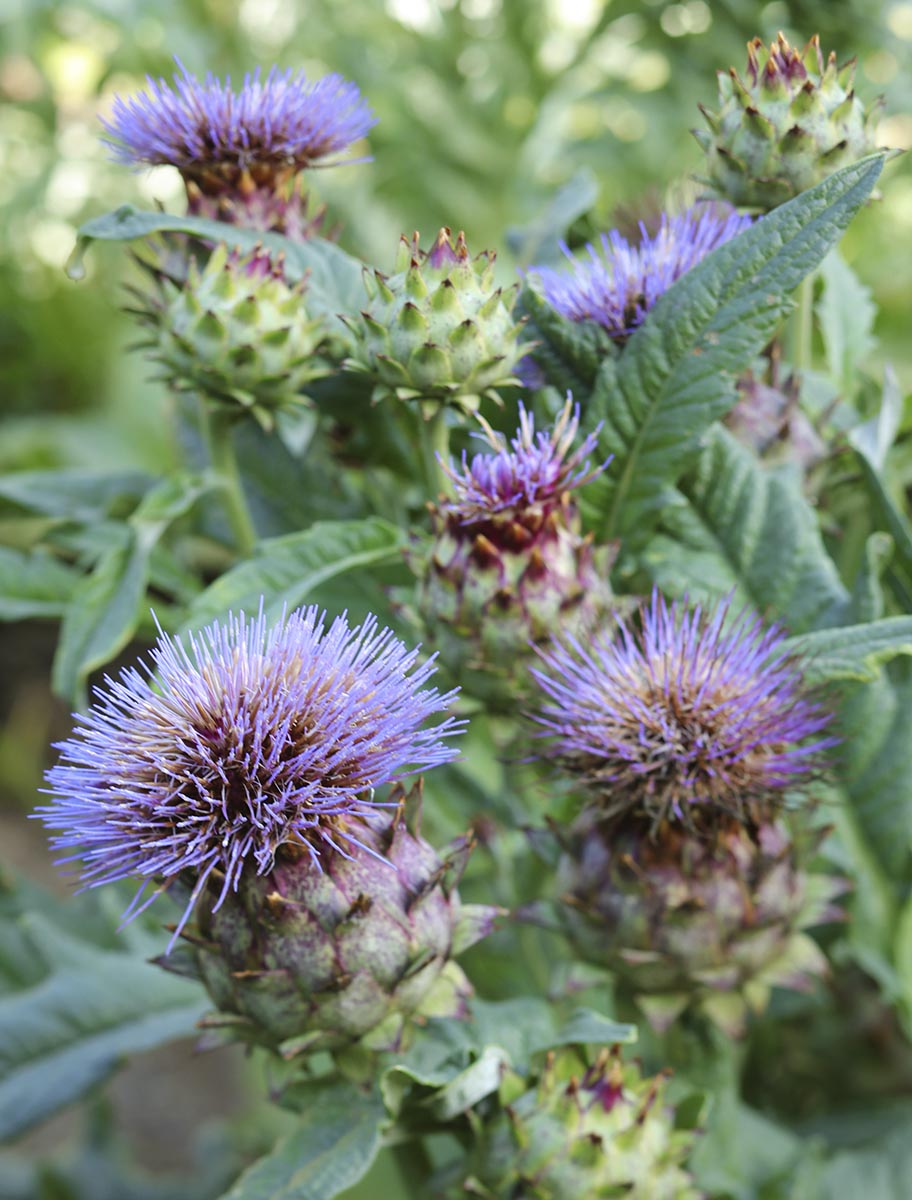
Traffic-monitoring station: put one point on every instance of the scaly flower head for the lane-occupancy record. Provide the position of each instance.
(440, 330)
(233, 330)
(580, 1125)
(619, 283)
(696, 716)
(242, 743)
(508, 564)
(685, 921)
(792, 120)
(222, 139)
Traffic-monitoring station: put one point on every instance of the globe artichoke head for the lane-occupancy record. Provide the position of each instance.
(683, 921)
(508, 566)
(235, 331)
(792, 120)
(581, 1127)
(342, 951)
(440, 330)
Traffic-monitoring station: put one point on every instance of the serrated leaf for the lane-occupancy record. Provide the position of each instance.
(331, 1150)
(846, 315)
(285, 570)
(67, 1032)
(678, 372)
(33, 585)
(851, 651)
(572, 355)
(333, 277)
(747, 528)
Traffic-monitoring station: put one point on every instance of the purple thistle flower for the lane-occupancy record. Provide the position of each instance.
(532, 470)
(692, 711)
(248, 739)
(271, 128)
(620, 283)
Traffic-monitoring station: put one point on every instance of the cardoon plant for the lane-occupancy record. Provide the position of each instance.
(244, 768)
(688, 734)
(508, 564)
(286, 783)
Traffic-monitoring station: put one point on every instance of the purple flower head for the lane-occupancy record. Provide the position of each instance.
(695, 715)
(619, 283)
(268, 130)
(533, 470)
(245, 740)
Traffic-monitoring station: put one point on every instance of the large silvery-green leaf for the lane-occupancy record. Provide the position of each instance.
(285, 570)
(71, 1011)
(677, 373)
(332, 1147)
(747, 528)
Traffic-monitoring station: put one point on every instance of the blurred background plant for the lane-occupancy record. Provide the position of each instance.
(490, 112)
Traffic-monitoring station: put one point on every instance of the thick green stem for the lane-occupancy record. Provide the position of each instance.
(801, 327)
(217, 428)
(434, 438)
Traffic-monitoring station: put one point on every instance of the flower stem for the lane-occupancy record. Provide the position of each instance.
(434, 438)
(216, 429)
(801, 327)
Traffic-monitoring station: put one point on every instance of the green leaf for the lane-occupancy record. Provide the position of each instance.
(747, 528)
(875, 764)
(478, 1080)
(331, 1149)
(571, 354)
(846, 315)
(902, 957)
(539, 241)
(33, 585)
(852, 651)
(677, 374)
(74, 495)
(104, 610)
(586, 1027)
(101, 616)
(67, 1032)
(333, 277)
(872, 441)
(285, 570)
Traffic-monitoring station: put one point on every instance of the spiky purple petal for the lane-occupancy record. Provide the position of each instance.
(531, 469)
(696, 707)
(244, 739)
(282, 120)
(619, 283)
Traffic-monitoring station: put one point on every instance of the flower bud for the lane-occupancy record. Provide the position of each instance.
(791, 121)
(439, 330)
